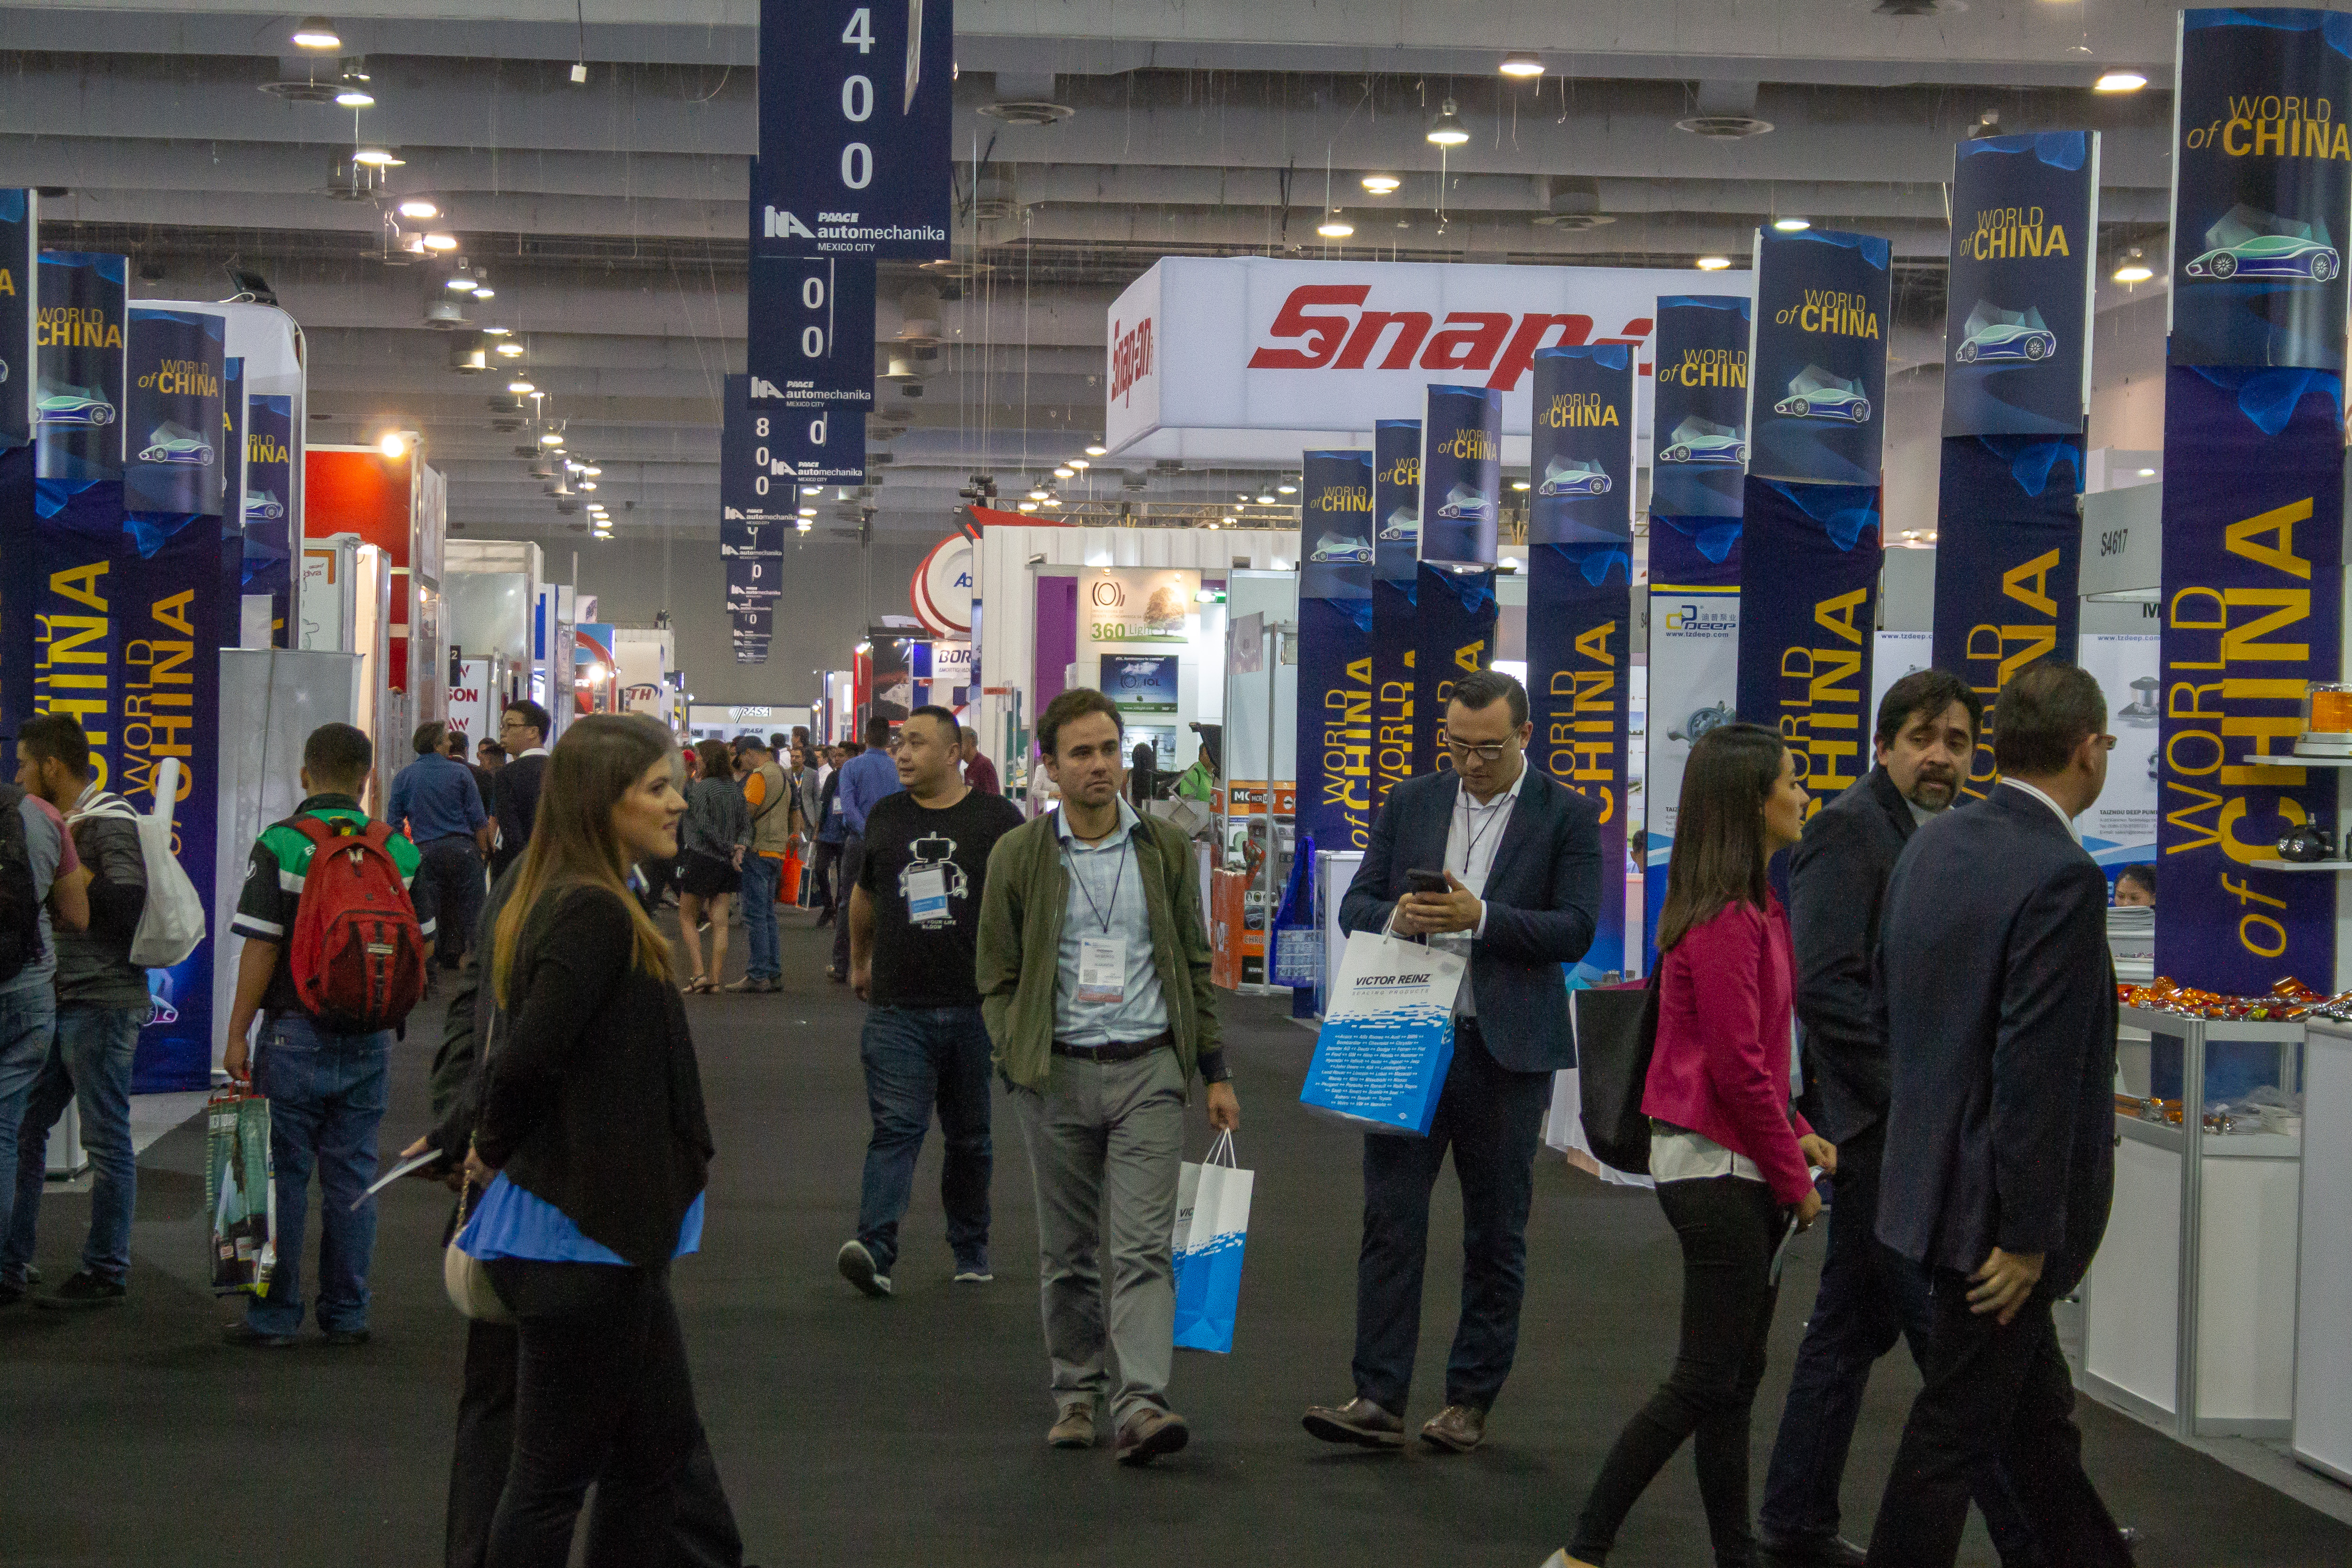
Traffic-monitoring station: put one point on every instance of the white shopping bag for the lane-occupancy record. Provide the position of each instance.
(1212, 1205)
(172, 922)
(1387, 1035)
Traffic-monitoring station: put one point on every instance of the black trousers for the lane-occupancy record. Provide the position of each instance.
(702, 1524)
(820, 878)
(1871, 1298)
(853, 861)
(1992, 1393)
(455, 865)
(603, 1397)
(1492, 1120)
(1728, 1227)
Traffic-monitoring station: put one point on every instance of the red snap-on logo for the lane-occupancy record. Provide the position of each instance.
(1327, 328)
(1131, 357)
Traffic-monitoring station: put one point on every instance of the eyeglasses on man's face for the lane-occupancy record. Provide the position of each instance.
(1463, 752)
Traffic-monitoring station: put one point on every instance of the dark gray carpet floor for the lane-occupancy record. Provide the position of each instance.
(906, 1431)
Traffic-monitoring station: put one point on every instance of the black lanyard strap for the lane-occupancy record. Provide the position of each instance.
(1103, 918)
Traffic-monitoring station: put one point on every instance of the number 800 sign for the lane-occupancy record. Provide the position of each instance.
(855, 102)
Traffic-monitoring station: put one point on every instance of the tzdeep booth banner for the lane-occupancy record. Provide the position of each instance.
(2016, 393)
(78, 347)
(2253, 491)
(20, 258)
(126, 636)
(1808, 610)
(173, 421)
(1580, 597)
(1335, 651)
(1698, 457)
(1396, 549)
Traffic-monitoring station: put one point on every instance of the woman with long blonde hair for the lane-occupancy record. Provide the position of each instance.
(591, 1149)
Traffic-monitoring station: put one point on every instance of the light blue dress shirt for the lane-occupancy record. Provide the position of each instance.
(865, 778)
(1107, 899)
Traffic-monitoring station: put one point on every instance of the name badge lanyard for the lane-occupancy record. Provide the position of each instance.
(1102, 917)
(1102, 960)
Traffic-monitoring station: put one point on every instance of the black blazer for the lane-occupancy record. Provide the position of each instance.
(594, 1101)
(1543, 902)
(2000, 1007)
(1837, 885)
(515, 795)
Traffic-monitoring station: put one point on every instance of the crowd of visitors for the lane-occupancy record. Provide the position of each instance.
(1955, 1107)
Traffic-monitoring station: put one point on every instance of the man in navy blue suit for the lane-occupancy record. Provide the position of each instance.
(1999, 1002)
(1521, 858)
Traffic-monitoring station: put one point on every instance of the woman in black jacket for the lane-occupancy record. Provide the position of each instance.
(591, 1148)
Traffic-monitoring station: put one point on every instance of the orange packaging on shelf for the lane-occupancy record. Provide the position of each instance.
(2331, 711)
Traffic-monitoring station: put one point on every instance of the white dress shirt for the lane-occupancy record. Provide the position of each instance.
(1472, 837)
(2072, 831)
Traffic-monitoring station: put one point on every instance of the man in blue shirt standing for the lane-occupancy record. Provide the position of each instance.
(865, 778)
(436, 803)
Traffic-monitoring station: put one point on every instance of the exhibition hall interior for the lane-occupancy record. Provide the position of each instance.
(1585, 630)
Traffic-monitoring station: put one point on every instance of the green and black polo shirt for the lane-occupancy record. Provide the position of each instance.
(273, 887)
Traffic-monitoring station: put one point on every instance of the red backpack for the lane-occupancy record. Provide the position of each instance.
(358, 957)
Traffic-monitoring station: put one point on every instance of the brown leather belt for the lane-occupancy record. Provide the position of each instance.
(1117, 1050)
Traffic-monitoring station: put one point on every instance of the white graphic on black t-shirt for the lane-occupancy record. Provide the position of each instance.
(935, 849)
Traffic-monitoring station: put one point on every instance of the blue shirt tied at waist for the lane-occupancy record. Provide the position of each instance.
(438, 797)
(511, 1223)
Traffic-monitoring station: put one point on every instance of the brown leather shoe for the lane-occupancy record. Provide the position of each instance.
(1149, 1433)
(1458, 1428)
(1360, 1422)
(1075, 1429)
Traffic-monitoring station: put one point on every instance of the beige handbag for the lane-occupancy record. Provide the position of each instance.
(462, 1273)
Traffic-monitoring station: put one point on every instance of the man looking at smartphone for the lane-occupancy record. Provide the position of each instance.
(1501, 864)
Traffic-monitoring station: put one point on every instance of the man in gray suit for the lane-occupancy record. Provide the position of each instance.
(2000, 1018)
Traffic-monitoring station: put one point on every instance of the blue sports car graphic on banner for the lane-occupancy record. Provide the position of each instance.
(82, 405)
(79, 363)
(1335, 525)
(2017, 315)
(1818, 384)
(1462, 474)
(177, 392)
(1582, 451)
(1699, 409)
(2262, 188)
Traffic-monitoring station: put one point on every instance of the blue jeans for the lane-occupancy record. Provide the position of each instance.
(917, 1057)
(326, 1096)
(91, 1062)
(28, 1022)
(760, 877)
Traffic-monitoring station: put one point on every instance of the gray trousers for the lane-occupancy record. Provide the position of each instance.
(1106, 1143)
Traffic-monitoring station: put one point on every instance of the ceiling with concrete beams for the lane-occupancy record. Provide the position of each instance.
(610, 216)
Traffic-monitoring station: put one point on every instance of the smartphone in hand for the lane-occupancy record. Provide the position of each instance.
(1432, 882)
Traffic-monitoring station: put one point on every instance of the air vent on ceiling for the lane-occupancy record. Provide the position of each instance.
(506, 424)
(1919, 7)
(996, 195)
(1724, 127)
(1027, 110)
(303, 89)
(1575, 205)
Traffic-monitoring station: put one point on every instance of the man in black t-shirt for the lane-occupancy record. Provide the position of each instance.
(914, 923)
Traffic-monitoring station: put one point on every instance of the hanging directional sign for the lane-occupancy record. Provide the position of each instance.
(855, 97)
(768, 452)
(811, 320)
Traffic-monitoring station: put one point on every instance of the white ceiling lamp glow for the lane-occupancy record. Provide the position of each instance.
(315, 33)
(1382, 185)
(394, 444)
(484, 292)
(592, 471)
(1447, 130)
(1066, 472)
(510, 350)
(1097, 449)
(2119, 82)
(1286, 488)
(1080, 463)
(443, 242)
(1792, 224)
(1335, 225)
(1524, 66)
(550, 439)
(419, 209)
(355, 97)
(382, 158)
(522, 388)
(1712, 263)
(2135, 270)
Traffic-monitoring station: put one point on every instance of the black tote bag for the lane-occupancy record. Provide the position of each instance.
(1616, 1030)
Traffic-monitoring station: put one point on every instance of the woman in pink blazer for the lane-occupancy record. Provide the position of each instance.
(1727, 1150)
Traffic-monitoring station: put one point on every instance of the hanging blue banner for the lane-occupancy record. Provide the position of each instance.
(1335, 525)
(2008, 556)
(2262, 188)
(1817, 399)
(753, 579)
(1807, 618)
(855, 101)
(172, 430)
(1455, 611)
(811, 330)
(1334, 649)
(1698, 421)
(20, 246)
(19, 587)
(79, 349)
(1694, 678)
(268, 511)
(1396, 502)
(2253, 507)
(2016, 310)
(1462, 475)
(1582, 456)
(129, 618)
(767, 452)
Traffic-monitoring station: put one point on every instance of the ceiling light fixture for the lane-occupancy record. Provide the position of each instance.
(440, 242)
(1382, 185)
(1080, 463)
(1286, 490)
(1712, 263)
(592, 471)
(393, 445)
(483, 291)
(1266, 501)
(1097, 449)
(1447, 130)
(2119, 82)
(1521, 65)
(587, 484)
(1518, 484)
(1027, 506)
(808, 511)
(1792, 224)
(550, 440)
(2134, 269)
(497, 332)
(510, 350)
(315, 33)
(461, 281)
(1039, 495)
(382, 158)
(355, 98)
(1335, 226)
(520, 388)
(418, 208)
(1066, 472)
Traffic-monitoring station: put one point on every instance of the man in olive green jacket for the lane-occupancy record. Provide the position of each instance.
(1093, 969)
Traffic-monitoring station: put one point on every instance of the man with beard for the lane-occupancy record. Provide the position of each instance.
(1926, 739)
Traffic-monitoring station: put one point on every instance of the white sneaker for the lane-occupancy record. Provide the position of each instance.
(973, 1277)
(856, 1266)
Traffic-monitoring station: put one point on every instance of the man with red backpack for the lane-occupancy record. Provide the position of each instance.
(334, 957)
